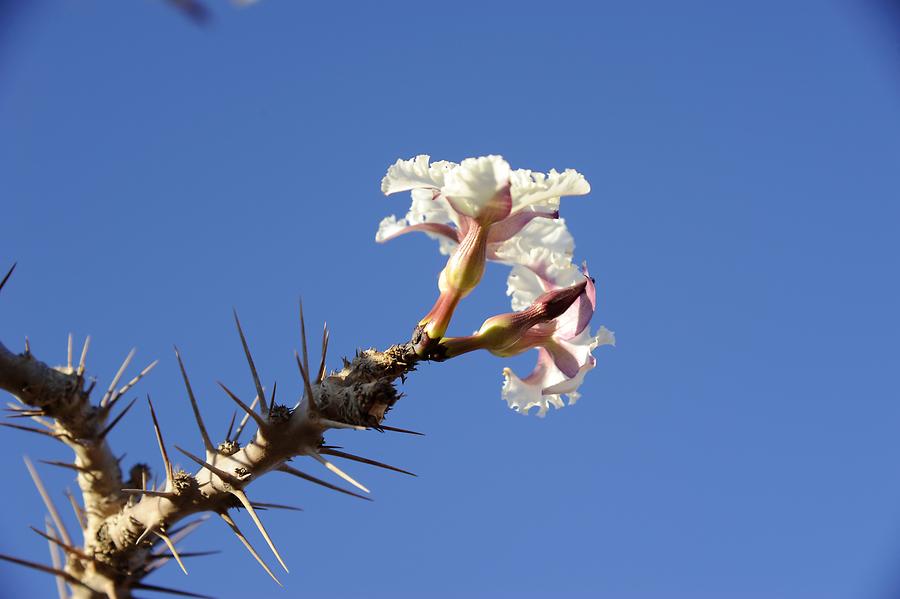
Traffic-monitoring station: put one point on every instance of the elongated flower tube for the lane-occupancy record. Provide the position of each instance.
(515, 332)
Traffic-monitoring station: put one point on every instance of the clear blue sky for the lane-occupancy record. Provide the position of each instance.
(743, 439)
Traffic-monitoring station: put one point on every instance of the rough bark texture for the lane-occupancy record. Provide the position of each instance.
(126, 532)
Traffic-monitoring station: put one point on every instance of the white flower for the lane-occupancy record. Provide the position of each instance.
(512, 217)
(447, 196)
(564, 352)
(530, 188)
(416, 173)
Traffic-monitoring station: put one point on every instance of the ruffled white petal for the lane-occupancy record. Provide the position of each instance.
(569, 387)
(414, 173)
(426, 208)
(389, 227)
(605, 337)
(522, 395)
(543, 241)
(541, 256)
(523, 286)
(475, 182)
(537, 189)
(547, 385)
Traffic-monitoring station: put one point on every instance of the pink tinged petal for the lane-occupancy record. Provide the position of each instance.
(514, 223)
(479, 188)
(578, 316)
(564, 359)
(415, 173)
(390, 230)
(570, 386)
(546, 384)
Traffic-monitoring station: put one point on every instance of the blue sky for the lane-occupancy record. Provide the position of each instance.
(741, 441)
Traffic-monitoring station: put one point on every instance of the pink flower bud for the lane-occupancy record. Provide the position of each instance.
(515, 332)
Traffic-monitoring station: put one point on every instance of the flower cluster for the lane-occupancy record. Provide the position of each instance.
(481, 210)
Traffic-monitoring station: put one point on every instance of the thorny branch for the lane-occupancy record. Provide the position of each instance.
(130, 528)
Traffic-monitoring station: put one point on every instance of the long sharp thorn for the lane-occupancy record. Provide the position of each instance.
(335, 424)
(49, 536)
(312, 403)
(315, 455)
(242, 497)
(276, 506)
(68, 465)
(311, 400)
(33, 430)
(362, 460)
(237, 532)
(27, 346)
(127, 386)
(253, 372)
(162, 445)
(69, 354)
(158, 589)
(171, 547)
(245, 419)
(83, 360)
(308, 477)
(57, 521)
(115, 381)
(56, 560)
(8, 274)
(27, 414)
(42, 568)
(207, 444)
(272, 397)
(163, 494)
(399, 430)
(79, 512)
(217, 471)
(250, 411)
(321, 375)
(231, 426)
(116, 420)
